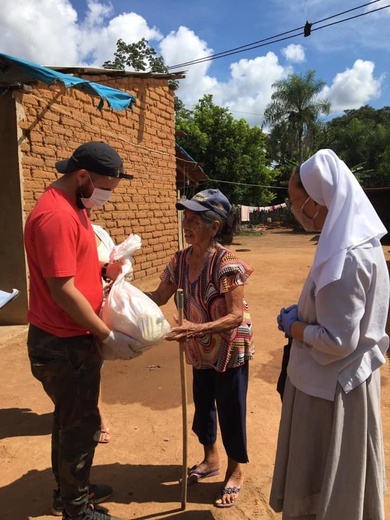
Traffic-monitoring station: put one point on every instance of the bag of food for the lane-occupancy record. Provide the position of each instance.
(127, 309)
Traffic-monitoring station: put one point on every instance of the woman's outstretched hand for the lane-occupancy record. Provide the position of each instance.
(184, 331)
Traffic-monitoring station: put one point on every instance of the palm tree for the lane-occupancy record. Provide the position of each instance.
(295, 105)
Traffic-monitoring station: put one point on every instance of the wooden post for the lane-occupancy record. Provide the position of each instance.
(183, 380)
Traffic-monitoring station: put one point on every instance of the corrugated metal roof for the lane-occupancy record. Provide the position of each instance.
(187, 169)
(93, 71)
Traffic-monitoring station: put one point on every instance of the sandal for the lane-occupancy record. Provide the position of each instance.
(105, 436)
(194, 475)
(227, 491)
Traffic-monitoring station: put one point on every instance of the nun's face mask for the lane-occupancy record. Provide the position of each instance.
(308, 223)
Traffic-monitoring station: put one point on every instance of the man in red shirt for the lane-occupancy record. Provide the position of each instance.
(65, 300)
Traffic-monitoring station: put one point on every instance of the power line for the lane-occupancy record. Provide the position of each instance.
(277, 38)
(259, 43)
(349, 11)
(236, 50)
(246, 184)
(353, 17)
(248, 47)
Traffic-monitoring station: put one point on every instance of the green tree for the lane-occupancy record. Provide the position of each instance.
(229, 150)
(293, 114)
(361, 137)
(138, 56)
(282, 150)
(383, 171)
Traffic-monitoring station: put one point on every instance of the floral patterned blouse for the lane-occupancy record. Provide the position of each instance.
(204, 301)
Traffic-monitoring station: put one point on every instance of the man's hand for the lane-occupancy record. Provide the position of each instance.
(113, 270)
(119, 346)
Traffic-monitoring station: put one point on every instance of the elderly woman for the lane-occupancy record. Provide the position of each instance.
(218, 333)
(329, 460)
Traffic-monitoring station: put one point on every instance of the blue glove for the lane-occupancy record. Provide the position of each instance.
(283, 310)
(286, 318)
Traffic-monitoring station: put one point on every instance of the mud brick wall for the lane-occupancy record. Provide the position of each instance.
(52, 123)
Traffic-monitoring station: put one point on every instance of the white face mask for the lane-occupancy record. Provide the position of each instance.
(306, 222)
(98, 198)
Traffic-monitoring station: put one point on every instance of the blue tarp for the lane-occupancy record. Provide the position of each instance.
(13, 70)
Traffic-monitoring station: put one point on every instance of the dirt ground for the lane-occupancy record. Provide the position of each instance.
(142, 400)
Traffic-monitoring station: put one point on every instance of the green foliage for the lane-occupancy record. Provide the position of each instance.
(293, 114)
(229, 149)
(137, 56)
(362, 139)
(140, 57)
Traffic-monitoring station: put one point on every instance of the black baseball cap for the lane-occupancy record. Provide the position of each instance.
(97, 157)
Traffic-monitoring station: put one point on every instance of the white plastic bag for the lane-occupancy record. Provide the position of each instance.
(129, 310)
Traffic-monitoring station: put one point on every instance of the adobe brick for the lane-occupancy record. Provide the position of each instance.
(33, 161)
(68, 122)
(51, 116)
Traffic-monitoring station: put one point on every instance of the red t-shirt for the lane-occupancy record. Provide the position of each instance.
(60, 242)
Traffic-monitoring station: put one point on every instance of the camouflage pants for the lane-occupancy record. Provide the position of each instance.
(69, 370)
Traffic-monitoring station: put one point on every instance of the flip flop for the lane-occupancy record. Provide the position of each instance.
(227, 491)
(194, 475)
(105, 436)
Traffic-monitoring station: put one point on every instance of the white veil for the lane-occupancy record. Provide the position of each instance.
(351, 218)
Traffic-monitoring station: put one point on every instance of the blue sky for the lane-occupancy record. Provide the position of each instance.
(352, 58)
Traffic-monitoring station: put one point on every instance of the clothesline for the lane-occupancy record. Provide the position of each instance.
(268, 209)
(246, 210)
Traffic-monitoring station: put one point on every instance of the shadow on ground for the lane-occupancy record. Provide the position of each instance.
(128, 482)
(20, 422)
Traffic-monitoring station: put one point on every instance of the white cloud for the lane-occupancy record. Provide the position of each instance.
(97, 13)
(354, 87)
(99, 41)
(247, 90)
(181, 46)
(37, 30)
(294, 53)
(49, 33)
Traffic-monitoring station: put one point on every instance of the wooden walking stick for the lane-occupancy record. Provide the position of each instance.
(183, 379)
